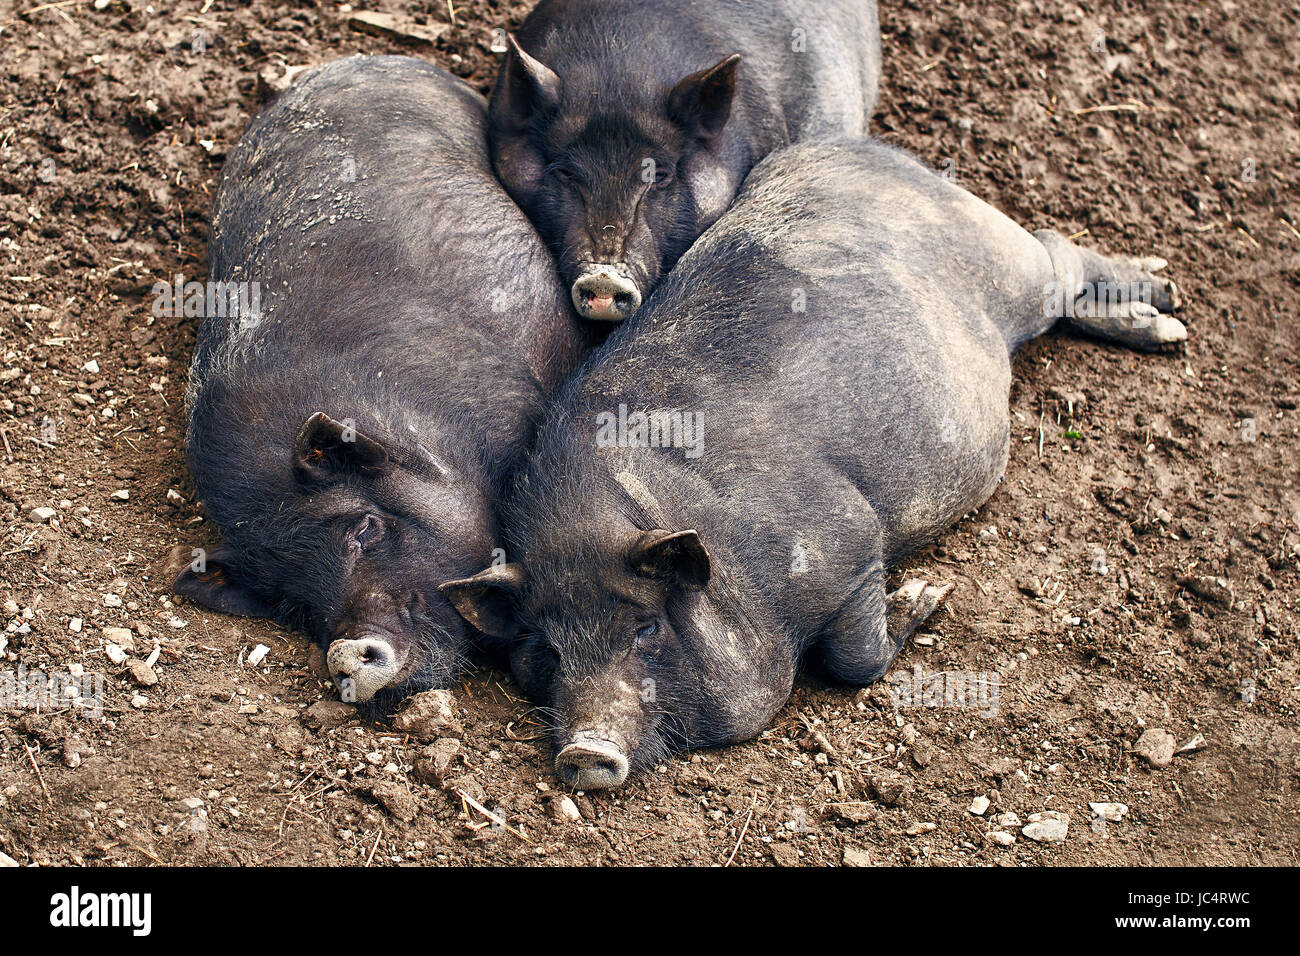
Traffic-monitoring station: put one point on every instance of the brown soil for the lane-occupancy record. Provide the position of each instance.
(1172, 132)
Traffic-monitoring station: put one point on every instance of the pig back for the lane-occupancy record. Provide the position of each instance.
(840, 321)
(362, 203)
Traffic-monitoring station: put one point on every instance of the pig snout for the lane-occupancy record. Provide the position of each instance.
(589, 762)
(362, 667)
(605, 291)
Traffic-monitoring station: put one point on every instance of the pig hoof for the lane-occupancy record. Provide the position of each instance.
(909, 606)
(1134, 324)
(605, 293)
(591, 764)
(363, 667)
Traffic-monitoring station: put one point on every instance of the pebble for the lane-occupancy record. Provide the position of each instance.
(258, 655)
(7, 861)
(115, 654)
(855, 857)
(190, 804)
(112, 600)
(1156, 747)
(139, 701)
(121, 495)
(916, 829)
(1000, 837)
(142, 673)
(1008, 820)
(119, 636)
(1049, 826)
(73, 748)
(1048, 831)
(43, 514)
(1110, 812)
(74, 625)
(567, 810)
(979, 805)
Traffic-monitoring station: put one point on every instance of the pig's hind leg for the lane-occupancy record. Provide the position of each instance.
(1115, 298)
(871, 627)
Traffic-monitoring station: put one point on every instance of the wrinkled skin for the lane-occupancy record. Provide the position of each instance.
(662, 600)
(623, 141)
(350, 438)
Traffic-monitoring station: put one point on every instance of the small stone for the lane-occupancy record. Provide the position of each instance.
(1042, 815)
(978, 806)
(1156, 747)
(1110, 812)
(92, 367)
(1008, 821)
(139, 701)
(258, 654)
(73, 748)
(1047, 830)
(566, 810)
(922, 753)
(1000, 837)
(916, 829)
(142, 673)
(394, 28)
(856, 812)
(115, 654)
(74, 625)
(43, 514)
(430, 715)
(112, 600)
(119, 636)
(190, 804)
(7, 861)
(855, 857)
(121, 495)
(1196, 743)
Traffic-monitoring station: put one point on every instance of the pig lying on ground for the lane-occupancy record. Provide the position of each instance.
(625, 128)
(819, 387)
(350, 427)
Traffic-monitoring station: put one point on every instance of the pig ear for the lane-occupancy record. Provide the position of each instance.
(526, 86)
(702, 102)
(325, 448)
(676, 556)
(215, 587)
(487, 600)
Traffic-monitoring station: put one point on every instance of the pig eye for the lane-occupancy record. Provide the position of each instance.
(645, 632)
(369, 530)
(664, 174)
(562, 174)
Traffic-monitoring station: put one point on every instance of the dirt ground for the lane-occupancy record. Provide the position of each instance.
(1137, 569)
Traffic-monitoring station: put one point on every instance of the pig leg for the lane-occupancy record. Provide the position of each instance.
(871, 627)
(1120, 299)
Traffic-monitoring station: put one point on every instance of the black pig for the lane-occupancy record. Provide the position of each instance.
(350, 426)
(819, 387)
(625, 128)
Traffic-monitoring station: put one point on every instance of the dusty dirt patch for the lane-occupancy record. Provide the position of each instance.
(1142, 574)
